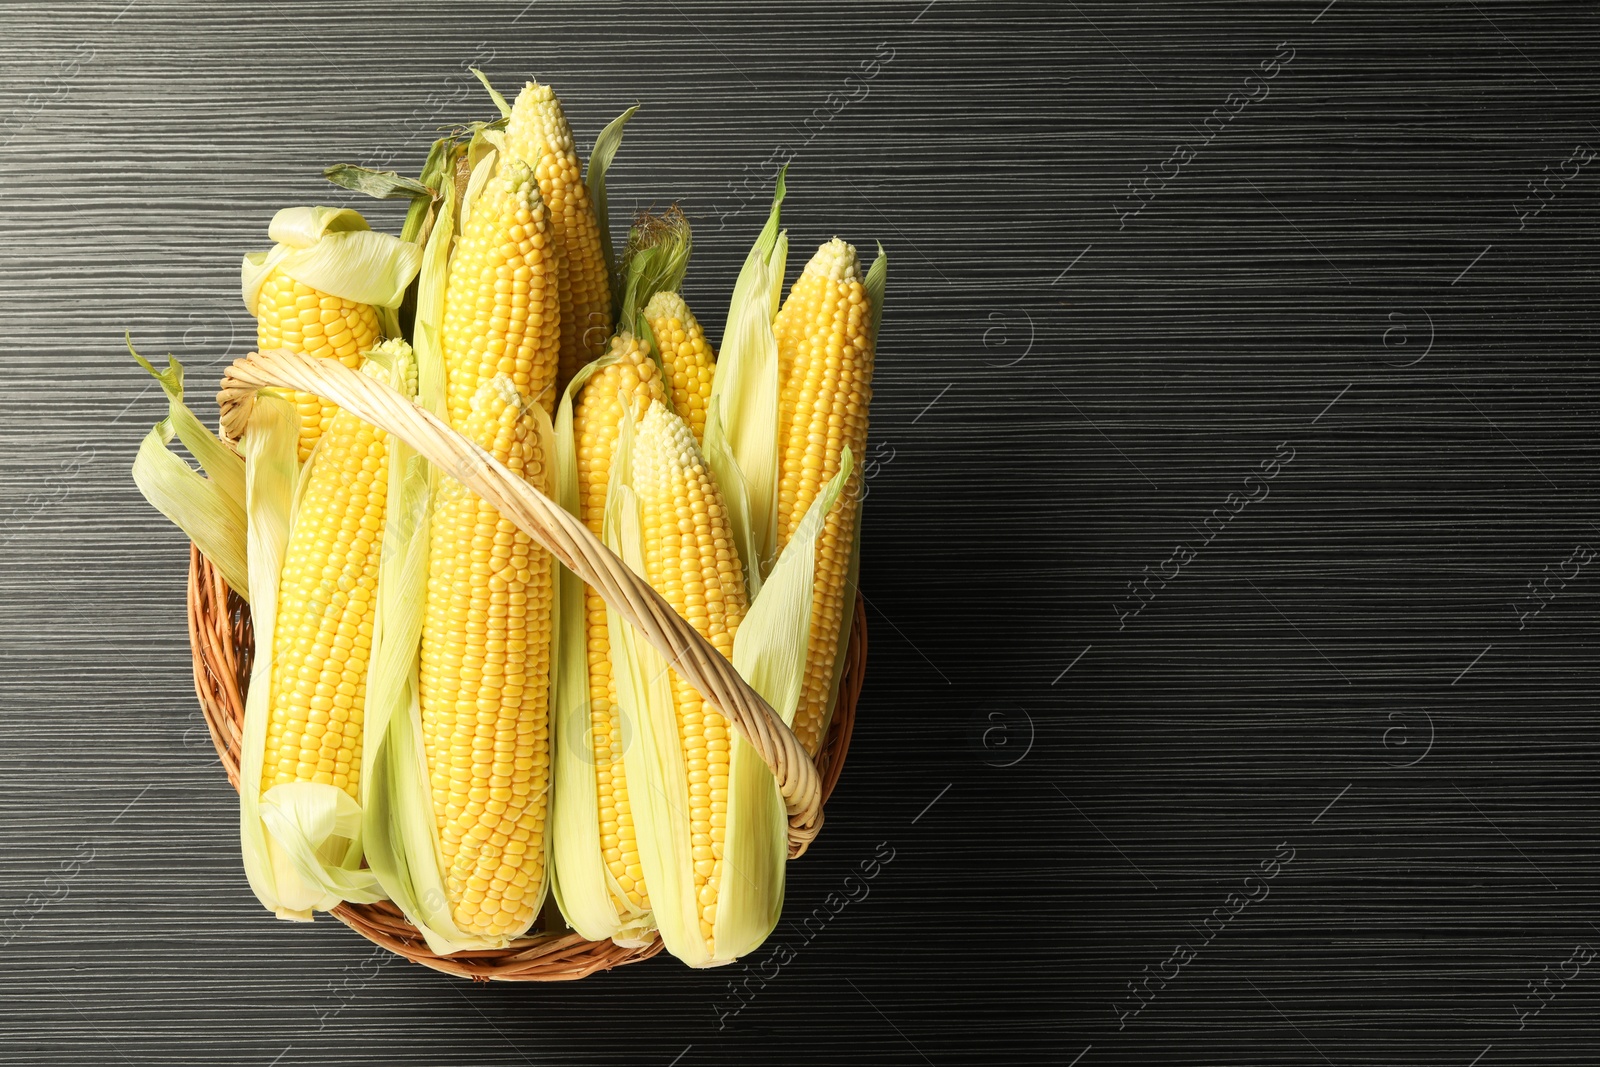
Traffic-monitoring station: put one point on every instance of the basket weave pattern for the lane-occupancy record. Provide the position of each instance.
(224, 647)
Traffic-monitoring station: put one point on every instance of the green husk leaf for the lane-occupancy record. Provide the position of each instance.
(402, 569)
(218, 459)
(210, 518)
(379, 184)
(656, 258)
(403, 849)
(364, 267)
(422, 213)
(735, 498)
(769, 652)
(402, 584)
(741, 442)
(494, 94)
(777, 263)
(605, 150)
(427, 327)
(876, 281)
(578, 872)
(398, 807)
(762, 252)
(773, 655)
(314, 836)
(210, 509)
(640, 263)
(582, 884)
(483, 152)
(847, 617)
(551, 486)
(303, 227)
(332, 250)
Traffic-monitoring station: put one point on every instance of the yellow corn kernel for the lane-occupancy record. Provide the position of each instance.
(691, 560)
(825, 356)
(501, 310)
(622, 388)
(686, 357)
(485, 683)
(326, 600)
(538, 134)
(293, 315)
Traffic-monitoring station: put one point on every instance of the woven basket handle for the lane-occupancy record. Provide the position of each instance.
(691, 655)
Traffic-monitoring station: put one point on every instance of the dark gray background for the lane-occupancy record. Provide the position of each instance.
(1347, 672)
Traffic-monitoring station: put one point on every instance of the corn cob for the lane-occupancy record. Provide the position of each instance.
(686, 357)
(620, 389)
(825, 356)
(538, 134)
(323, 634)
(293, 315)
(691, 560)
(501, 310)
(485, 683)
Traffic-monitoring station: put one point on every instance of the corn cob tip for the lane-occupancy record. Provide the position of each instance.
(501, 310)
(537, 133)
(395, 347)
(535, 93)
(661, 425)
(395, 362)
(666, 303)
(539, 104)
(626, 342)
(836, 261)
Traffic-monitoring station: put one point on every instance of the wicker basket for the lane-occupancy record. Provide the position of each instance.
(223, 644)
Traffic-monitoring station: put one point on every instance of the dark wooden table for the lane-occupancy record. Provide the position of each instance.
(1232, 546)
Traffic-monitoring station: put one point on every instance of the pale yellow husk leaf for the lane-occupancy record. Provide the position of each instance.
(333, 251)
(301, 842)
(769, 652)
(209, 508)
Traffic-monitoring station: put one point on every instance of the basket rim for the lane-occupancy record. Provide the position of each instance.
(222, 644)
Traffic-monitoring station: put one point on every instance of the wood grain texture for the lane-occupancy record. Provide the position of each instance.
(1064, 395)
